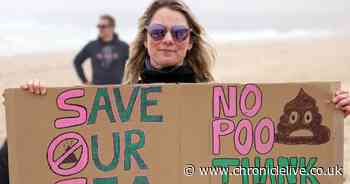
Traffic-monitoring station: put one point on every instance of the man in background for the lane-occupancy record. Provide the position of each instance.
(108, 55)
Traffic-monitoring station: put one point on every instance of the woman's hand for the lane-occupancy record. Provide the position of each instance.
(35, 87)
(342, 101)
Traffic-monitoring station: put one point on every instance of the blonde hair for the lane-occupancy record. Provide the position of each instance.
(201, 57)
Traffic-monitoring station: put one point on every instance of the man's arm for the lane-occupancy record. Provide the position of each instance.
(78, 63)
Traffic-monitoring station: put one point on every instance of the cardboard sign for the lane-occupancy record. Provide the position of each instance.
(181, 134)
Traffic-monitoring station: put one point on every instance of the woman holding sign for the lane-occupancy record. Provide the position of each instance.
(170, 48)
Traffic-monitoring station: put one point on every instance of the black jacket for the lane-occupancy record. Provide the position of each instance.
(4, 171)
(175, 74)
(179, 74)
(108, 61)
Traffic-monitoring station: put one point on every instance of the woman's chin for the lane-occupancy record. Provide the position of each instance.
(166, 62)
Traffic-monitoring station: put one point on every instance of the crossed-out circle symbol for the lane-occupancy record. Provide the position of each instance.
(55, 163)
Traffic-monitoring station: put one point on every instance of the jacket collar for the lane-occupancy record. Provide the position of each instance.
(115, 38)
(176, 74)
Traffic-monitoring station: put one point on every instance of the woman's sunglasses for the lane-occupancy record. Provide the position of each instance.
(178, 32)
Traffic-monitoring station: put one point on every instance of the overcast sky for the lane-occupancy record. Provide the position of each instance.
(21, 7)
(241, 13)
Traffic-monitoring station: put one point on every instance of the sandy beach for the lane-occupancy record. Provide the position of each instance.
(254, 61)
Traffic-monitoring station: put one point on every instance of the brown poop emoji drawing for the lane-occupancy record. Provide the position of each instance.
(301, 113)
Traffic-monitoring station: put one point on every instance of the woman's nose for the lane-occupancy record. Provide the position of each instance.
(168, 39)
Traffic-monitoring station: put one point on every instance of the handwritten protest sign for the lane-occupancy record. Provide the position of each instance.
(188, 133)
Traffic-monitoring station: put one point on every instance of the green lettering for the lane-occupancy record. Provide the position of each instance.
(125, 113)
(145, 117)
(95, 155)
(225, 163)
(131, 149)
(101, 93)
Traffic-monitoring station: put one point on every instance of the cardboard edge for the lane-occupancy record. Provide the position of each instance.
(339, 120)
(9, 104)
(195, 84)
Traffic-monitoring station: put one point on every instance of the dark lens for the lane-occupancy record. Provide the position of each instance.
(101, 26)
(180, 33)
(156, 31)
